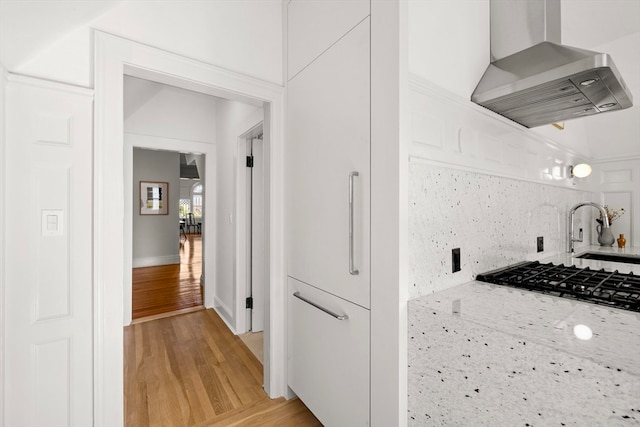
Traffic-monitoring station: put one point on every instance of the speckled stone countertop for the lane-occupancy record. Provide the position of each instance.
(488, 355)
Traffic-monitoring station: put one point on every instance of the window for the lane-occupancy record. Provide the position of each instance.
(196, 196)
(184, 207)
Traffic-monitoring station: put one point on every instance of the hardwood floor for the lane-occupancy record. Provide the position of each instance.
(167, 288)
(190, 370)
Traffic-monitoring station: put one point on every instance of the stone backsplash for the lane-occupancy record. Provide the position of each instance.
(493, 220)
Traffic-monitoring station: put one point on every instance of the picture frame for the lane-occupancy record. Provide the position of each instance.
(154, 198)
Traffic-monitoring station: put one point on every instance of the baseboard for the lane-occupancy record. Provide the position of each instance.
(153, 261)
(224, 313)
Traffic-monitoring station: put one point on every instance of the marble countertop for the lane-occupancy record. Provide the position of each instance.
(494, 355)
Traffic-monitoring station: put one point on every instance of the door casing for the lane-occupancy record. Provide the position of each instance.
(115, 57)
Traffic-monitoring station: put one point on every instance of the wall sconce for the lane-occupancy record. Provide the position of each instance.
(581, 170)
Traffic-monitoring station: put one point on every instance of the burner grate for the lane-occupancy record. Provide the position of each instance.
(614, 289)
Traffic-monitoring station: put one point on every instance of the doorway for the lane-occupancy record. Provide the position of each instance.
(116, 57)
(167, 248)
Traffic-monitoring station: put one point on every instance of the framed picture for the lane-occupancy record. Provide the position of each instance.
(154, 198)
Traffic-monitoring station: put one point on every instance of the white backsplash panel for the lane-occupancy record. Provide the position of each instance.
(493, 220)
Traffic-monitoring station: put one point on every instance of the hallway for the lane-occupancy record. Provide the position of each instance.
(190, 370)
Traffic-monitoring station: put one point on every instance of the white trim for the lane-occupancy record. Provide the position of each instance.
(153, 261)
(3, 168)
(225, 313)
(48, 84)
(389, 212)
(616, 159)
(114, 57)
(457, 166)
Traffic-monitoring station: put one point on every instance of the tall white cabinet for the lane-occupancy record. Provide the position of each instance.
(328, 198)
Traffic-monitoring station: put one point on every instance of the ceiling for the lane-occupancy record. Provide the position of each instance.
(29, 26)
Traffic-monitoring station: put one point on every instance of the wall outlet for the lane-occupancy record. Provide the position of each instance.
(455, 260)
(540, 244)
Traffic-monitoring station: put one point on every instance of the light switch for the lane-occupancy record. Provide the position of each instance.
(52, 221)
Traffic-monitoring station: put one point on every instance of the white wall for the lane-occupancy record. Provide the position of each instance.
(164, 111)
(2, 233)
(160, 110)
(233, 119)
(449, 42)
(240, 35)
(156, 237)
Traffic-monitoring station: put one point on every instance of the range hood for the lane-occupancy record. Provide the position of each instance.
(533, 79)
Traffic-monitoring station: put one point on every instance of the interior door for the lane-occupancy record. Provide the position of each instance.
(328, 166)
(258, 261)
(48, 299)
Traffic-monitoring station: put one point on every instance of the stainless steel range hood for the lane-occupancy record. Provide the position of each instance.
(533, 79)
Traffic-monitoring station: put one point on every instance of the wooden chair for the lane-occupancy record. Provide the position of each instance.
(191, 223)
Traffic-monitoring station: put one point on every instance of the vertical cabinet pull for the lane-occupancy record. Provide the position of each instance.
(352, 270)
(319, 307)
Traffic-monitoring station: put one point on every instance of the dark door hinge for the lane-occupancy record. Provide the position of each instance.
(249, 161)
(249, 302)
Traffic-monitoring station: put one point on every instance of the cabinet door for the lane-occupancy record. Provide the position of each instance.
(328, 361)
(314, 25)
(328, 140)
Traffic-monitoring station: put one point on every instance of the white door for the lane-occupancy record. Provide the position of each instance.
(328, 143)
(258, 261)
(48, 304)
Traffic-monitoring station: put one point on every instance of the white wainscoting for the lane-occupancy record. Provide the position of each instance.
(451, 131)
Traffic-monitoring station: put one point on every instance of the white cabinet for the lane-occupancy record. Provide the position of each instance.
(328, 161)
(328, 355)
(328, 139)
(314, 25)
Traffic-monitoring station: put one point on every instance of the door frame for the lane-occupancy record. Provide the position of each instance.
(115, 57)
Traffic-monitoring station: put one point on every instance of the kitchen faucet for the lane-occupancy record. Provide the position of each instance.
(570, 239)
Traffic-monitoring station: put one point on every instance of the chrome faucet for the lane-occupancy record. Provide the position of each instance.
(570, 237)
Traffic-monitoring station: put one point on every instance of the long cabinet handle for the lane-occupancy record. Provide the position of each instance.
(319, 307)
(352, 270)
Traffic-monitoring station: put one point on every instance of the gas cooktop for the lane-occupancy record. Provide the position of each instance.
(614, 289)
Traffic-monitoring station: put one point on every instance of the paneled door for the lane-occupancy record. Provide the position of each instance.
(328, 169)
(48, 281)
